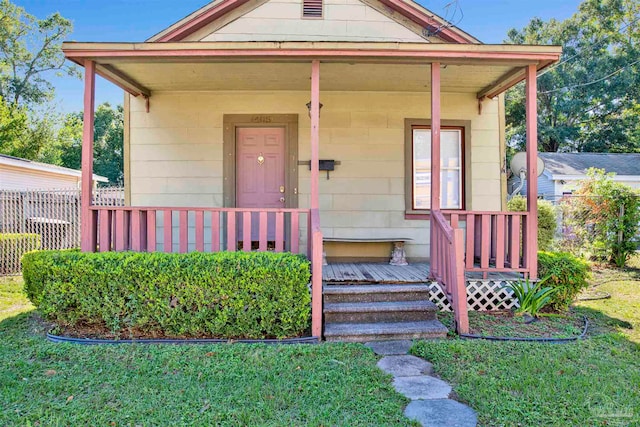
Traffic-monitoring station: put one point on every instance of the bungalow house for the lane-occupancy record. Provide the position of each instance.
(22, 174)
(564, 171)
(288, 124)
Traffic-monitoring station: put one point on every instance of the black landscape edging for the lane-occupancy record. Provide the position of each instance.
(97, 341)
(547, 340)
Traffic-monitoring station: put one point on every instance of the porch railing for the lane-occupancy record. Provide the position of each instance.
(183, 229)
(494, 241)
(447, 267)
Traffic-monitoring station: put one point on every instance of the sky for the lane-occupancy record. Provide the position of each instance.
(136, 20)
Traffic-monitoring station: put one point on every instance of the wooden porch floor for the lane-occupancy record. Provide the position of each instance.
(385, 273)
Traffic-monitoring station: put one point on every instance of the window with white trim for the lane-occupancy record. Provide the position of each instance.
(451, 167)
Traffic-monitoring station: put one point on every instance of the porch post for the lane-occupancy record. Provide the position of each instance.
(435, 154)
(88, 238)
(532, 170)
(315, 134)
(316, 232)
(435, 136)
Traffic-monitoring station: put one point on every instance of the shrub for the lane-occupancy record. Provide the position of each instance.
(547, 221)
(604, 218)
(565, 273)
(13, 246)
(226, 294)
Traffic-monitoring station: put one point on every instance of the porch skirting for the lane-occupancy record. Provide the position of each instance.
(482, 295)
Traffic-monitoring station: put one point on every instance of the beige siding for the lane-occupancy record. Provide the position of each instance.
(23, 179)
(176, 154)
(281, 20)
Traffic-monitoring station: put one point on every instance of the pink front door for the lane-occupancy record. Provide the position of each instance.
(260, 174)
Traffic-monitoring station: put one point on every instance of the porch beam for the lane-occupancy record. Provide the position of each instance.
(121, 80)
(268, 50)
(508, 80)
(503, 83)
(532, 170)
(88, 217)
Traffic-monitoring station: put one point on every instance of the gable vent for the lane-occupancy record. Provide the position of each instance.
(312, 8)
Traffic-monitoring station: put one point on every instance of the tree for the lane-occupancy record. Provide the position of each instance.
(27, 135)
(108, 142)
(589, 101)
(29, 49)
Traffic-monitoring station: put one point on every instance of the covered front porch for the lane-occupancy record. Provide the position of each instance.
(265, 82)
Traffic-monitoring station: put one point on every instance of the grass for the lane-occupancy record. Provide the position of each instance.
(229, 385)
(12, 299)
(594, 382)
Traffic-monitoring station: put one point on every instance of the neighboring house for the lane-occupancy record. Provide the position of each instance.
(23, 174)
(564, 171)
(229, 111)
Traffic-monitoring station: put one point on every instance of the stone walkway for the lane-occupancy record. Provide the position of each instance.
(430, 404)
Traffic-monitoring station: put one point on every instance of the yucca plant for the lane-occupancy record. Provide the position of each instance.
(531, 296)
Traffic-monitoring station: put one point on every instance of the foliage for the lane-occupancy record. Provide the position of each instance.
(108, 142)
(30, 53)
(566, 274)
(30, 48)
(547, 221)
(531, 297)
(16, 244)
(27, 135)
(603, 217)
(589, 101)
(227, 294)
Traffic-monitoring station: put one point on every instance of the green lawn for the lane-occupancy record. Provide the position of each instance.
(56, 384)
(595, 382)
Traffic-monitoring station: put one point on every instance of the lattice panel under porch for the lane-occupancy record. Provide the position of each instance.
(482, 295)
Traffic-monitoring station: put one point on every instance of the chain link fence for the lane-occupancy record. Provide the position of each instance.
(43, 219)
(577, 218)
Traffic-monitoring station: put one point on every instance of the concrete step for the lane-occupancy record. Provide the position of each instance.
(375, 293)
(372, 312)
(363, 332)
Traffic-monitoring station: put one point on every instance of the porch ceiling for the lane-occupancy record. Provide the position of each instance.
(141, 68)
(295, 76)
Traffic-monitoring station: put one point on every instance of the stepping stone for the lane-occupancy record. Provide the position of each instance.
(405, 366)
(385, 348)
(441, 413)
(422, 387)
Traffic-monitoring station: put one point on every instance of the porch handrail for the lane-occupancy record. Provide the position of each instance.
(447, 267)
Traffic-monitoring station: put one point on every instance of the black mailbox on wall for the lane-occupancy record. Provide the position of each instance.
(325, 165)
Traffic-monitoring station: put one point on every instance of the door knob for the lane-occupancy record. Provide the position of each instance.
(282, 199)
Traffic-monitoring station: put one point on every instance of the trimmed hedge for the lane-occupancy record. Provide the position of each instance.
(225, 294)
(13, 246)
(564, 272)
